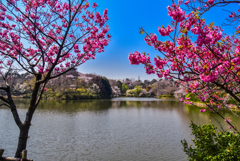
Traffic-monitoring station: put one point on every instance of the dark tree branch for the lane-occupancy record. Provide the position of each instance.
(3, 104)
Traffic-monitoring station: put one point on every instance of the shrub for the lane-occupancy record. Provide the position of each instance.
(212, 145)
(193, 97)
(148, 88)
(129, 93)
(136, 91)
(124, 88)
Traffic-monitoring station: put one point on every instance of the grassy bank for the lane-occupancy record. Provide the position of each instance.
(166, 97)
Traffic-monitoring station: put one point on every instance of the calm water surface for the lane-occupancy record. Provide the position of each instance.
(141, 129)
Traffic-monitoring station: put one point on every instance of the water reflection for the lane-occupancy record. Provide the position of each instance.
(67, 105)
(98, 104)
(210, 117)
(117, 129)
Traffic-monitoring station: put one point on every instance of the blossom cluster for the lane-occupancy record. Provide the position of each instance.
(60, 35)
(196, 53)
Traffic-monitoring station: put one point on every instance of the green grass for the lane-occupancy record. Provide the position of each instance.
(165, 96)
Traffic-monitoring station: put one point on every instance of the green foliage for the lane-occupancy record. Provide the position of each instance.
(16, 92)
(49, 93)
(119, 85)
(136, 91)
(71, 94)
(153, 81)
(106, 92)
(124, 88)
(212, 145)
(27, 95)
(78, 94)
(148, 88)
(232, 100)
(129, 93)
(104, 85)
(193, 97)
(142, 85)
(166, 96)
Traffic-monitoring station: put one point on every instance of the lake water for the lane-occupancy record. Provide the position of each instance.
(120, 129)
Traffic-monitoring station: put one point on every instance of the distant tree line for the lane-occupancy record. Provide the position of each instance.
(75, 85)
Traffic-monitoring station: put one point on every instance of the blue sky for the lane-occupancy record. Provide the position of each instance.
(125, 18)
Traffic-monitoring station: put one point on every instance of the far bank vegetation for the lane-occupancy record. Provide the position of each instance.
(76, 85)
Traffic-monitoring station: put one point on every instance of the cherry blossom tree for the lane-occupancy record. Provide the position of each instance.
(203, 6)
(46, 38)
(198, 54)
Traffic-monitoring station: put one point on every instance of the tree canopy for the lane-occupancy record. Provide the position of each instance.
(46, 38)
(197, 54)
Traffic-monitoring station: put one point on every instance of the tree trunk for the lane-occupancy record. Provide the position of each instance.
(24, 128)
(22, 140)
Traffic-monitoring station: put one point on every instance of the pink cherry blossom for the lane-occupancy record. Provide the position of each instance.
(186, 3)
(210, 2)
(196, 53)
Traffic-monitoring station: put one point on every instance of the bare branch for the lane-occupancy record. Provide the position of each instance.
(3, 104)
